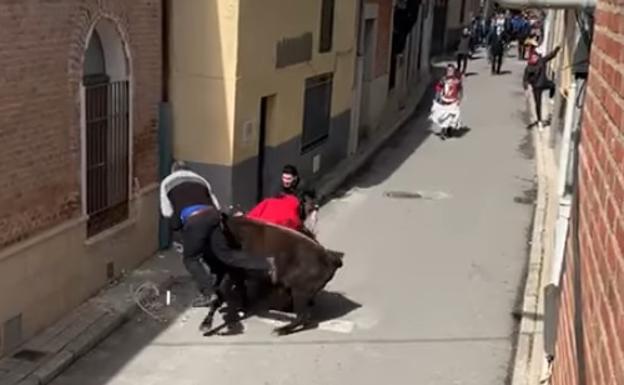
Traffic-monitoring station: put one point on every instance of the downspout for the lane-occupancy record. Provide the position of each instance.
(568, 174)
(559, 4)
(164, 15)
(165, 143)
(564, 199)
(357, 82)
(568, 163)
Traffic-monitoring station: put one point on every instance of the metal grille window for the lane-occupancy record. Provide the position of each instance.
(327, 26)
(317, 111)
(107, 154)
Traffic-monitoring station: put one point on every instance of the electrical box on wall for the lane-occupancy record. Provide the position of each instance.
(316, 163)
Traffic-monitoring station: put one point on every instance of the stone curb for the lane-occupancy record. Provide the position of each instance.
(82, 329)
(529, 348)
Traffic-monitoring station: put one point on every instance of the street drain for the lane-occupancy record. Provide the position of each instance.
(432, 195)
(29, 355)
(402, 195)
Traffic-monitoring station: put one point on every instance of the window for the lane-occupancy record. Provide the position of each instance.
(327, 26)
(317, 111)
(106, 152)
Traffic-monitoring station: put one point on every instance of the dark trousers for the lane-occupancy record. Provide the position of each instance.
(462, 59)
(497, 62)
(537, 96)
(521, 49)
(204, 240)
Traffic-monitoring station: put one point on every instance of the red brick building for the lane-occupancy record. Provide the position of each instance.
(79, 97)
(590, 337)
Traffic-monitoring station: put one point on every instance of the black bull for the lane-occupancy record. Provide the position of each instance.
(302, 266)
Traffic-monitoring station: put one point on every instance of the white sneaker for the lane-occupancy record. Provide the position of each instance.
(540, 126)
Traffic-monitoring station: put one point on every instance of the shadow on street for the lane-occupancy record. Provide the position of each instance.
(399, 147)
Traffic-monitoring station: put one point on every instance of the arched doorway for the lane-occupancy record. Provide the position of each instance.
(106, 152)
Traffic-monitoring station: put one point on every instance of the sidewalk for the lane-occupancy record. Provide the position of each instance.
(530, 366)
(47, 355)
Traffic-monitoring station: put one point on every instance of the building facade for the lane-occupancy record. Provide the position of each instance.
(450, 17)
(393, 58)
(376, 26)
(79, 100)
(587, 134)
(255, 85)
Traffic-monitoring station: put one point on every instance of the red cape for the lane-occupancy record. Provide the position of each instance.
(281, 211)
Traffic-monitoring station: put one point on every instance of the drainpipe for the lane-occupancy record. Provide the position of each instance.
(564, 199)
(357, 81)
(164, 14)
(165, 147)
(560, 4)
(552, 291)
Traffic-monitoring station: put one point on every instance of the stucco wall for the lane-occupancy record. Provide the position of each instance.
(225, 59)
(262, 26)
(203, 55)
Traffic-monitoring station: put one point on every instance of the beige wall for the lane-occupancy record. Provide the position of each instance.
(262, 25)
(565, 36)
(223, 63)
(203, 53)
(48, 275)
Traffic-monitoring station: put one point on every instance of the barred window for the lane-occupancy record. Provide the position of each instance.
(107, 147)
(317, 111)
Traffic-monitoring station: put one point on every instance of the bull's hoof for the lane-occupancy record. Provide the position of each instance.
(279, 333)
(282, 331)
(211, 332)
(206, 325)
(233, 329)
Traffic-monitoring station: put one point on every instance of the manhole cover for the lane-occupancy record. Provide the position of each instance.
(29, 355)
(431, 195)
(402, 195)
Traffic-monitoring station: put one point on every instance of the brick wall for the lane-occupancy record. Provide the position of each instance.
(41, 52)
(601, 221)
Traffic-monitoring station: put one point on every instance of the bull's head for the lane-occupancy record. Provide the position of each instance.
(336, 257)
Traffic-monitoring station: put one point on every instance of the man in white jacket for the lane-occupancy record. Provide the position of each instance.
(187, 200)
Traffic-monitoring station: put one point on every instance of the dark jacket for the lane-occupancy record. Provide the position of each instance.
(183, 189)
(302, 193)
(535, 74)
(497, 43)
(464, 45)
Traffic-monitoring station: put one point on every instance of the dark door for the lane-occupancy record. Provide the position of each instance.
(421, 29)
(439, 26)
(261, 148)
(267, 120)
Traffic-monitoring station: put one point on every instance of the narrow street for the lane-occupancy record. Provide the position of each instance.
(431, 275)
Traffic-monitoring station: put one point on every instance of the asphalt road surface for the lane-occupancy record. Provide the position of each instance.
(435, 235)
